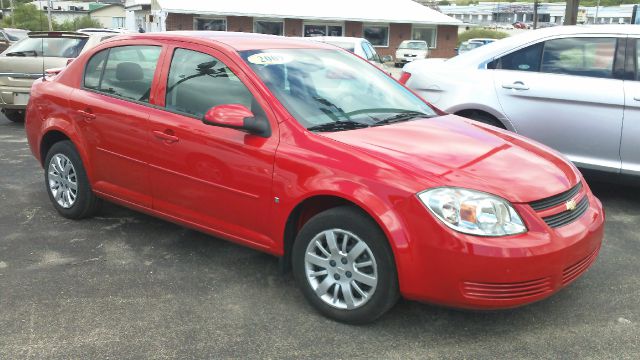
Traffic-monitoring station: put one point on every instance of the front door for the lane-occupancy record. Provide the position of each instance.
(111, 110)
(629, 147)
(563, 93)
(214, 177)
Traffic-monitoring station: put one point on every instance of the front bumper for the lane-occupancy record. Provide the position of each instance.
(458, 270)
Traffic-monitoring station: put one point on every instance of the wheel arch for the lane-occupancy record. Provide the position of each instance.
(313, 204)
(483, 109)
(55, 130)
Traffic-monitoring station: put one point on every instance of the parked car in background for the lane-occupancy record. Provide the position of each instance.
(26, 60)
(574, 88)
(301, 150)
(483, 41)
(9, 36)
(468, 46)
(520, 25)
(100, 30)
(359, 46)
(411, 50)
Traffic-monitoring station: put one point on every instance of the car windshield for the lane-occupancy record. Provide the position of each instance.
(413, 45)
(329, 90)
(53, 47)
(15, 35)
(470, 46)
(343, 44)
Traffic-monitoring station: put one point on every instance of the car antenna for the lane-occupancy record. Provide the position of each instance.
(44, 75)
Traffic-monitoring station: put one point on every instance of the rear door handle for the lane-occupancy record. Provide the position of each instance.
(518, 85)
(87, 115)
(166, 135)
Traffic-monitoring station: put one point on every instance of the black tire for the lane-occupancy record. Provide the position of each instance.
(86, 202)
(482, 117)
(355, 221)
(14, 115)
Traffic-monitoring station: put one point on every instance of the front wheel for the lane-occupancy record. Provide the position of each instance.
(67, 182)
(344, 265)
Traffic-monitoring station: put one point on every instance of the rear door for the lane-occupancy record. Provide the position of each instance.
(630, 147)
(563, 92)
(112, 112)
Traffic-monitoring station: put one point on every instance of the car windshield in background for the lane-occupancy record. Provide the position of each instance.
(470, 46)
(15, 35)
(413, 45)
(52, 47)
(329, 90)
(343, 44)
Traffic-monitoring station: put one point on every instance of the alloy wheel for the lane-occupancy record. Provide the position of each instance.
(63, 180)
(341, 269)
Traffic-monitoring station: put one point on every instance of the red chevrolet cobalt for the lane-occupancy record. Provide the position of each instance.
(309, 153)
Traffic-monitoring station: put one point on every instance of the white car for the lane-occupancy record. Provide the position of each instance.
(573, 88)
(411, 50)
(359, 46)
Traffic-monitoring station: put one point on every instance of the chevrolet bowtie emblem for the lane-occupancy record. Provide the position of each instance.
(571, 205)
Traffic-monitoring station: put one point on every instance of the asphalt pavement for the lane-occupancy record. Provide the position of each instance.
(126, 285)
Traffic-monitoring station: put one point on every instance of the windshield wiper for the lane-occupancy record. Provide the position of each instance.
(329, 104)
(338, 126)
(23, 53)
(403, 116)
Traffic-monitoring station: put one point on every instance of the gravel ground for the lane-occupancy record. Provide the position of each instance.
(125, 285)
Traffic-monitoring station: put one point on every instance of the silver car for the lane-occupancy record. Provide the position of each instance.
(574, 88)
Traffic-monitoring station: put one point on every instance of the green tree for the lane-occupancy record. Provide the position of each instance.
(28, 17)
(481, 33)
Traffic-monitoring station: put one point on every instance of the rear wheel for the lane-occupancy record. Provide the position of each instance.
(67, 183)
(344, 265)
(14, 115)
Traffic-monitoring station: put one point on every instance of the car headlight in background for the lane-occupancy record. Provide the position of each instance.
(473, 212)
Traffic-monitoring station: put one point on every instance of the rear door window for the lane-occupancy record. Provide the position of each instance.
(50, 47)
(580, 56)
(126, 72)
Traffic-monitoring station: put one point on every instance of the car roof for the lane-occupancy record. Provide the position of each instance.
(499, 47)
(237, 40)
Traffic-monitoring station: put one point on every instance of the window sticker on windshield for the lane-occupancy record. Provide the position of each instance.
(269, 59)
(523, 67)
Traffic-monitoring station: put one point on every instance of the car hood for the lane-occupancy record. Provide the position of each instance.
(453, 151)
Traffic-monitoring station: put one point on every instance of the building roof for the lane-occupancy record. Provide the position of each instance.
(238, 40)
(371, 11)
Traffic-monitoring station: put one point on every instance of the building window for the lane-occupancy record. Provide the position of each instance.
(270, 27)
(426, 33)
(117, 22)
(378, 35)
(211, 24)
(322, 30)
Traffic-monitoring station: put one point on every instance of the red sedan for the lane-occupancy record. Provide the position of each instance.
(307, 152)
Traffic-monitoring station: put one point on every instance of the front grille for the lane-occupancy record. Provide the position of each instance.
(556, 200)
(572, 272)
(568, 216)
(506, 291)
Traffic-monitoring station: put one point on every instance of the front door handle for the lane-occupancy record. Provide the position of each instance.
(637, 98)
(167, 136)
(86, 115)
(517, 85)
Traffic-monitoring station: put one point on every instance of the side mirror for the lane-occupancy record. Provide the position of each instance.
(387, 58)
(236, 116)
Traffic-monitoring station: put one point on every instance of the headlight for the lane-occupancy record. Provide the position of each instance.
(473, 212)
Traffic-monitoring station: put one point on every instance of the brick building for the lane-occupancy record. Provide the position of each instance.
(384, 23)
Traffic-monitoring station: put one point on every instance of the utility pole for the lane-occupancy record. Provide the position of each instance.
(49, 6)
(535, 14)
(571, 12)
(595, 19)
(13, 13)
